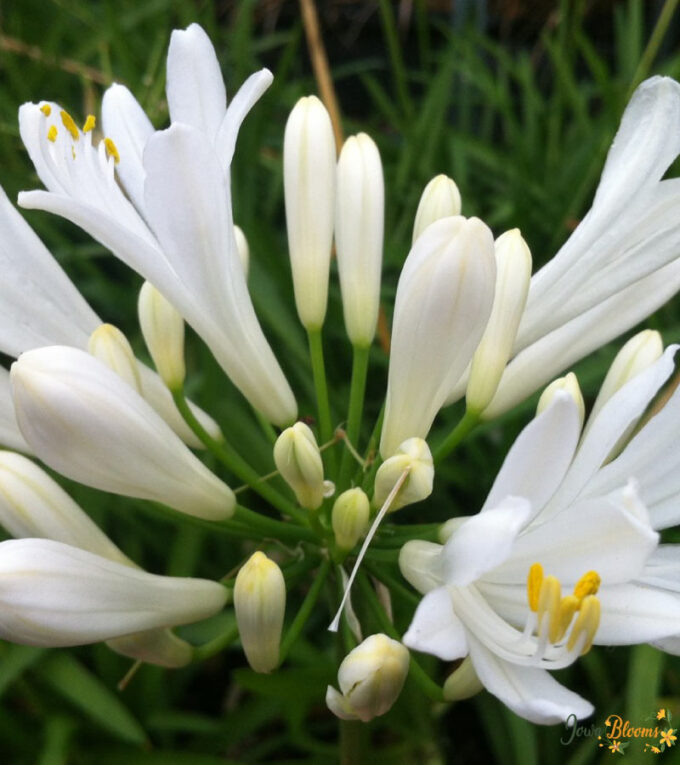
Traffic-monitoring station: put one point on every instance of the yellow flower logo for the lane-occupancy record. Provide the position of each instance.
(661, 714)
(668, 738)
(615, 746)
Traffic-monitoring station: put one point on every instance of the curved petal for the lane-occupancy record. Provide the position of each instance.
(436, 629)
(10, 435)
(637, 613)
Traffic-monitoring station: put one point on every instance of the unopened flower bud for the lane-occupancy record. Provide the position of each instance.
(309, 189)
(414, 454)
(260, 605)
(108, 344)
(570, 385)
(350, 517)
(163, 330)
(370, 678)
(440, 199)
(462, 683)
(242, 249)
(418, 563)
(359, 223)
(298, 459)
(513, 273)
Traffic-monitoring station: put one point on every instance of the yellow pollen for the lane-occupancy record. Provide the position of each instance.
(549, 603)
(70, 125)
(111, 150)
(52, 133)
(534, 581)
(587, 622)
(90, 123)
(569, 605)
(588, 584)
(46, 109)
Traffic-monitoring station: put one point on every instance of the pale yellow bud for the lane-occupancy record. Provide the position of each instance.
(298, 459)
(420, 564)
(163, 330)
(109, 345)
(260, 605)
(350, 517)
(462, 683)
(413, 454)
(440, 199)
(570, 385)
(513, 273)
(370, 678)
(242, 249)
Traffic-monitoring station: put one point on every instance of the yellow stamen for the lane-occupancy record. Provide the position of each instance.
(46, 109)
(73, 151)
(588, 584)
(111, 150)
(569, 605)
(70, 125)
(90, 123)
(587, 622)
(534, 581)
(549, 603)
(52, 133)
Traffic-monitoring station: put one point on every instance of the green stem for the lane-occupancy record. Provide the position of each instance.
(654, 43)
(217, 644)
(267, 427)
(321, 388)
(356, 408)
(417, 673)
(272, 527)
(305, 610)
(350, 742)
(235, 463)
(468, 423)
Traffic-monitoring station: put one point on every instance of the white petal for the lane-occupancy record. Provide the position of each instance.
(126, 123)
(669, 645)
(420, 563)
(81, 419)
(637, 613)
(485, 541)
(160, 647)
(436, 629)
(10, 435)
(528, 692)
(339, 705)
(540, 456)
(56, 595)
(195, 88)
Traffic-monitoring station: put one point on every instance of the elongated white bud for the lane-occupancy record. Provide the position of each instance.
(108, 344)
(370, 678)
(309, 186)
(462, 683)
(52, 594)
(443, 303)
(163, 330)
(513, 273)
(359, 224)
(569, 384)
(419, 562)
(350, 516)
(260, 604)
(440, 199)
(298, 459)
(242, 249)
(413, 455)
(82, 420)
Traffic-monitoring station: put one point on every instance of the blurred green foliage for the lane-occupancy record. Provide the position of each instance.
(523, 125)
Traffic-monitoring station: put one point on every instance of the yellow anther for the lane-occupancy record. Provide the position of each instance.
(587, 622)
(534, 581)
(46, 109)
(569, 605)
(549, 603)
(70, 125)
(90, 123)
(111, 150)
(52, 133)
(588, 584)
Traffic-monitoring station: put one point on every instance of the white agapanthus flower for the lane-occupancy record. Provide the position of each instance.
(175, 227)
(563, 554)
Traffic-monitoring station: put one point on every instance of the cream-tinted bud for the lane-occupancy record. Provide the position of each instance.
(513, 273)
(298, 459)
(260, 605)
(420, 563)
(462, 683)
(413, 454)
(570, 385)
(359, 224)
(242, 249)
(309, 188)
(163, 330)
(108, 344)
(449, 528)
(440, 199)
(370, 678)
(350, 517)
